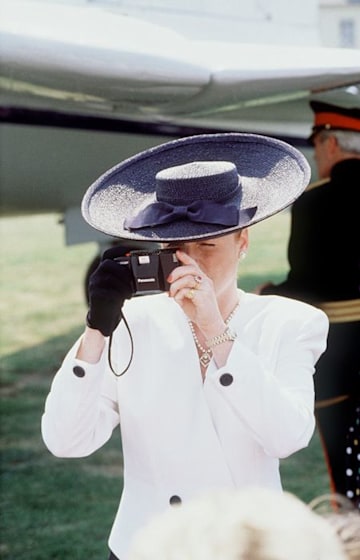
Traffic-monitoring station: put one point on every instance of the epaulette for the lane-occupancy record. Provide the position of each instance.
(344, 311)
(316, 184)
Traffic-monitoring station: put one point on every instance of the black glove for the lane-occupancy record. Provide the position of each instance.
(109, 286)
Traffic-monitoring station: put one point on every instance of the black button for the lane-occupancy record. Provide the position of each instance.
(79, 371)
(175, 500)
(226, 379)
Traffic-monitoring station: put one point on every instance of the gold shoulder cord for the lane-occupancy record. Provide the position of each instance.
(345, 311)
(316, 184)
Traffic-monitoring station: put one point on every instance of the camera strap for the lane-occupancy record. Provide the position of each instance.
(131, 353)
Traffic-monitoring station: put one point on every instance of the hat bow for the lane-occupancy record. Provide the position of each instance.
(202, 211)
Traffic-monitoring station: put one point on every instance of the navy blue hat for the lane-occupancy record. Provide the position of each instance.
(200, 186)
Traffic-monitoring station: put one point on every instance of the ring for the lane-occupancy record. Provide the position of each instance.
(191, 293)
(198, 279)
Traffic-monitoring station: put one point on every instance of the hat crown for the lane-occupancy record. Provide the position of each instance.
(198, 180)
(323, 107)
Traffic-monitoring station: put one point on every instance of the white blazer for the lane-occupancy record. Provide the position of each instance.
(183, 436)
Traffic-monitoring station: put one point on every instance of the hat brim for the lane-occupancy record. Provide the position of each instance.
(273, 174)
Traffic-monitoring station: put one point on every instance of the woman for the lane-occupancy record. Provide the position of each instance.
(210, 385)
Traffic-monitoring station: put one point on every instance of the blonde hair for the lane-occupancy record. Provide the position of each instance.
(347, 527)
(341, 514)
(251, 524)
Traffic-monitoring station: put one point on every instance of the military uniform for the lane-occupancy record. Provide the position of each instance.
(324, 261)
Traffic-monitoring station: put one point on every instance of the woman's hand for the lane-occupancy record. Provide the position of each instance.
(194, 291)
(109, 286)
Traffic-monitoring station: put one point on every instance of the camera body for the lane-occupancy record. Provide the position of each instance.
(150, 269)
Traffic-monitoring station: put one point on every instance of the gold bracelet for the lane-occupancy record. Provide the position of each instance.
(227, 336)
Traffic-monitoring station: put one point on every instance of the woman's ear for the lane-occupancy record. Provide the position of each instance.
(243, 243)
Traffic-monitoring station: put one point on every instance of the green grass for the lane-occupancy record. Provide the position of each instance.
(59, 509)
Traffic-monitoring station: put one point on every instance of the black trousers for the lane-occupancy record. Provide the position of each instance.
(334, 424)
(112, 556)
(338, 375)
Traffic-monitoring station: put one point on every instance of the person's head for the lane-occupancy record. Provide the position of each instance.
(344, 518)
(347, 527)
(218, 257)
(196, 188)
(335, 135)
(249, 524)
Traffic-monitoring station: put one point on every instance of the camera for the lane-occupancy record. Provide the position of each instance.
(150, 269)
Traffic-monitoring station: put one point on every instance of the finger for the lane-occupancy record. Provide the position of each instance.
(189, 281)
(110, 275)
(185, 258)
(191, 266)
(115, 252)
(186, 296)
(190, 294)
(186, 270)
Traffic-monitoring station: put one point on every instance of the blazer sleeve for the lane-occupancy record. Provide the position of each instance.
(80, 410)
(269, 386)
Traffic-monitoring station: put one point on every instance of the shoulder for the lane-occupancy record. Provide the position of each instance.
(276, 321)
(348, 168)
(281, 309)
(316, 184)
(314, 191)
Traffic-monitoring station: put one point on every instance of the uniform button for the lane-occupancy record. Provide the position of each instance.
(78, 371)
(226, 379)
(175, 500)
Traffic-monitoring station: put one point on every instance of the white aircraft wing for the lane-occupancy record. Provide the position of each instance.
(90, 59)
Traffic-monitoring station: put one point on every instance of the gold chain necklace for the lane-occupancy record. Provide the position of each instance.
(206, 353)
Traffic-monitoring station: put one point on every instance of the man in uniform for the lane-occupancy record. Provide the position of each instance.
(324, 260)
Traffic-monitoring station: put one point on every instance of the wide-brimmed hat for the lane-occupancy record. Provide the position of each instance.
(199, 186)
(333, 117)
